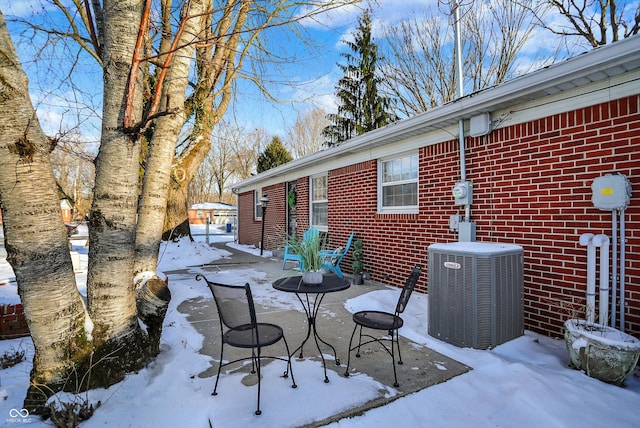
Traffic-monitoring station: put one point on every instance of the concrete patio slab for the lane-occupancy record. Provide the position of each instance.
(422, 366)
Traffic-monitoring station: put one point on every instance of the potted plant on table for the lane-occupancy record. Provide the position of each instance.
(310, 259)
(357, 265)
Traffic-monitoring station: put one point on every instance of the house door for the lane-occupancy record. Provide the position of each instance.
(292, 226)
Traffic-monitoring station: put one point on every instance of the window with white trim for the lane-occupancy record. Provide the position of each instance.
(318, 202)
(257, 214)
(398, 184)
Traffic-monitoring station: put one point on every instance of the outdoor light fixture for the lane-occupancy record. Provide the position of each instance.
(264, 201)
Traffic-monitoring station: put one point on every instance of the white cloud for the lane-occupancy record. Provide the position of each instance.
(335, 18)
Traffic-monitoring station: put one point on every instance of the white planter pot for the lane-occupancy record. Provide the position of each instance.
(312, 277)
(602, 352)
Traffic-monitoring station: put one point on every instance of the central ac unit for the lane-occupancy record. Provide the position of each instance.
(476, 293)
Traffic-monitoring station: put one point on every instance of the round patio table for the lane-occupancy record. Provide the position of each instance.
(311, 306)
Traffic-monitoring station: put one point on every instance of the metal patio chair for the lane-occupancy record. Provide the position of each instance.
(239, 328)
(384, 321)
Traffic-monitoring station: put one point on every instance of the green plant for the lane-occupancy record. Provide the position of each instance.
(291, 198)
(309, 252)
(357, 264)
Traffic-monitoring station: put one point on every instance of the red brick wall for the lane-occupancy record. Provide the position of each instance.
(12, 322)
(274, 230)
(302, 205)
(535, 191)
(531, 187)
(246, 224)
(250, 230)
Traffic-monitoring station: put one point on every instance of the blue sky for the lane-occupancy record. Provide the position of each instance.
(302, 83)
(313, 77)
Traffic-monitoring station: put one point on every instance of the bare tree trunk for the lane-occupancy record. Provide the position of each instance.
(110, 291)
(177, 221)
(35, 236)
(158, 171)
(153, 293)
(217, 67)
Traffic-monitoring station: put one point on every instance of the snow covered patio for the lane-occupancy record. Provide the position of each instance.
(373, 371)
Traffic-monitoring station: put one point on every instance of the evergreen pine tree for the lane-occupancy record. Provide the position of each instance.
(361, 108)
(274, 154)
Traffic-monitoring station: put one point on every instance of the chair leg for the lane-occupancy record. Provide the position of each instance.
(338, 271)
(289, 366)
(398, 346)
(215, 388)
(346, 372)
(393, 362)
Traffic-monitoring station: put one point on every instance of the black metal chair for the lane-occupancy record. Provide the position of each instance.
(239, 328)
(387, 321)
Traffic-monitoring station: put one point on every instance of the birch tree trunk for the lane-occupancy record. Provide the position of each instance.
(35, 236)
(163, 143)
(217, 64)
(112, 221)
(153, 293)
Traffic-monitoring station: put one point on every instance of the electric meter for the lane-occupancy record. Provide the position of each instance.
(462, 193)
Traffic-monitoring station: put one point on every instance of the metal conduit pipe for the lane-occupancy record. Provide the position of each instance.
(614, 265)
(602, 241)
(460, 75)
(586, 239)
(622, 270)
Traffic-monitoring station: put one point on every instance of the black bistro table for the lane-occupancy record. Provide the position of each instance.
(313, 295)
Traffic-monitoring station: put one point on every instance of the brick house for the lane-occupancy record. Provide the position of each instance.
(532, 148)
(215, 212)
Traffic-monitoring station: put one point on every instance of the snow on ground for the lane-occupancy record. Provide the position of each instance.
(523, 383)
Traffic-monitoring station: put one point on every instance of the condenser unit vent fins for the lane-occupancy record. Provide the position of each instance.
(476, 293)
